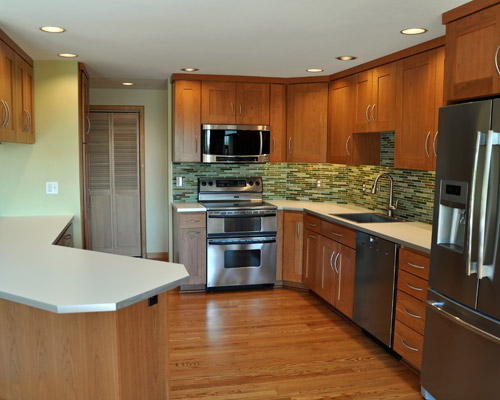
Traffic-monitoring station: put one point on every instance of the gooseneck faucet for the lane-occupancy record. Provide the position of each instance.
(392, 207)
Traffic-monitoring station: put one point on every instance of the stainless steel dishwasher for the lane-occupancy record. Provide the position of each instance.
(374, 287)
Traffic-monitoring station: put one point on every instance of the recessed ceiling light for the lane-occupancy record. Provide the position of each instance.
(52, 29)
(128, 83)
(413, 31)
(67, 55)
(314, 70)
(346, 58)
(189, 69)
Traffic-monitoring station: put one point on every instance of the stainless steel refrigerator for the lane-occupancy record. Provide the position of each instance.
(461, 356)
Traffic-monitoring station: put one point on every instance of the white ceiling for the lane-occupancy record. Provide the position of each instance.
(149, 40)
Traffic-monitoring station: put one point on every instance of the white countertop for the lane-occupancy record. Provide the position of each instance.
(412, 234)
(59, 279)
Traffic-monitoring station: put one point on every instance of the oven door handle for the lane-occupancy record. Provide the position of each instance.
(225, 242)
(243, 216)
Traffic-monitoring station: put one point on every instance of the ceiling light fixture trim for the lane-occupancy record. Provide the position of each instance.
(189, 69)
(346, 58)
(67, 55)
(413, 31)
(52, 29)
(128, 83)
(314, 70)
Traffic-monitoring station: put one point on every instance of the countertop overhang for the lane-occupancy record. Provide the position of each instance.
(37, 273)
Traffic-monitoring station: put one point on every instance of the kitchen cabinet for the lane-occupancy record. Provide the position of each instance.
(190, 248)
(311, 259)
(472, 44)
(345, 146)
(374, 99)
(418, 98)
(235, 103)
(277, 119)
(16, 95)
(66, 238)
(410, 305)
(307, 107)
(187, 122)
(84, 131)
(293, 233)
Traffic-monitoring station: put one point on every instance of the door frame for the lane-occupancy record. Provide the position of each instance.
(142, 186)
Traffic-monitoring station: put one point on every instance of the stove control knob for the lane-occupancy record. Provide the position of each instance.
(210, 183)
(250, 183)
(257, 183)
(203, 183)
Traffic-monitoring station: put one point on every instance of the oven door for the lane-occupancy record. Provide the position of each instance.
(241, 261)
(261, 222)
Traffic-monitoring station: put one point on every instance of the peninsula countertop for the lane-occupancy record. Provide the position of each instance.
(416, 235)
(59, 279)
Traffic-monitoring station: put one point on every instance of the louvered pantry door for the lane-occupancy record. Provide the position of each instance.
(114, 183)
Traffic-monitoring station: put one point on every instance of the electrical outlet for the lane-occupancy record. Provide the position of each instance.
(319, 184)
(179, 181)
(52, 187)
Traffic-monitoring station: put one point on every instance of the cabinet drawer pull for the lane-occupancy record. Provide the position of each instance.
(366, 113)
(336, 234)
(408, 347)
(414, 266)
(426, 143)
(193, 233)
(373, 108)
(412, 315)
(413, 287)
(192, 221)
(311, 224)
(68, 236)
(496, 59)
(311, 236)
(347, 145)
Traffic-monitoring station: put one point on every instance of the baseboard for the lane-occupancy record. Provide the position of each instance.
(296, 285)
(158, 256)
(192, 288)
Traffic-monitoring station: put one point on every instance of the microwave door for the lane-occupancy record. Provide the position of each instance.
(459, 174)
(488, 301)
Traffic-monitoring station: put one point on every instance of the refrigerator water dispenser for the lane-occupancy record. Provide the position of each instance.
(452, 215)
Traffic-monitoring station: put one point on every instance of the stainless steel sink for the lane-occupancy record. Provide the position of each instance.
(367, 217)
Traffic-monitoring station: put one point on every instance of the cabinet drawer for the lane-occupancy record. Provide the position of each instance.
(414, 263)
(192, 220)
(410, 311)
(339, 233)
(413, 285)
(408, 344)
(313, 223)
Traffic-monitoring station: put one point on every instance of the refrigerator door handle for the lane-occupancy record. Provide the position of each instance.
(439, 307)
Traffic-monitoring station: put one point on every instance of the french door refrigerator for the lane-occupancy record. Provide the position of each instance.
(461, 356)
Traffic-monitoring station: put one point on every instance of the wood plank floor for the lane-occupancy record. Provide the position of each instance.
(279, 344)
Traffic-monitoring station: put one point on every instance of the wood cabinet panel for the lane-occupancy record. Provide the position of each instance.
(408, 343)
(293, 231)
(193, 253)
(252, 103)
(410, 311)
(416, 111)
(218, 102)
(277, 120)
(328, 277)
(340, 121)
(471, 46)
(22, 112)
(344, 290)
(339, 233)
(414, 262)
(362, 101)
(313, 223)
(307, 107)
(192, 220)
(413, 285)
(8, 119)
(187, 121)
(311, 259)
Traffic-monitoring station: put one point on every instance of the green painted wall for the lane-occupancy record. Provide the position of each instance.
(53, 157)
(155, 104)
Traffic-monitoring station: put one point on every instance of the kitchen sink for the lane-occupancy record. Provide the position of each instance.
(367, 217)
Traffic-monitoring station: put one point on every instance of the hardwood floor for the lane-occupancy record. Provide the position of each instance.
(279, 344)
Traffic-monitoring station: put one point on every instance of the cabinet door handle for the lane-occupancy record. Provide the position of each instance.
(240, 108)
(274, 145)
(347, 145)
(408, 347)
(434, 143)
(290, 146)
(496, 59)
(331, 260)
(412, 315)
(413, 287)
(366, 113)
(336, 234)
(90, 197)
(8, 114)
(335, 264)
(232, 108)
(426, 143)
(5, 118)
(27, 121)
(88, 125)
(373, 108)
(414, 266)
(298, 230)
(195, 144)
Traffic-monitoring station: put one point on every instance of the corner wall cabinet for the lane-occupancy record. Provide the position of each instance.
(187, 122)
(277, 118)
(17, 120)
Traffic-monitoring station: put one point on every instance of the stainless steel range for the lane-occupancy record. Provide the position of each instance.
(241, 232)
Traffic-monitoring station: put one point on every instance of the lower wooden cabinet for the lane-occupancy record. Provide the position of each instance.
(293, 233)
(190, 246)
(66, 238)
(311, 259)
(344, 289)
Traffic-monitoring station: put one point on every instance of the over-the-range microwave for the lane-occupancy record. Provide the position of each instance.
(235, 143)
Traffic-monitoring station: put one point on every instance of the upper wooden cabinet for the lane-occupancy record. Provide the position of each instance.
(16, 96)
(307, 107)
(418, 98)
(374, 99)
(235, 103)
(187, 122)
(277, 120)
(472, 52)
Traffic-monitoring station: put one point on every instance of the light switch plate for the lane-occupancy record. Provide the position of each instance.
(52, 187)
